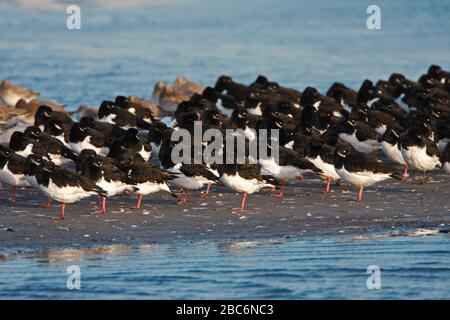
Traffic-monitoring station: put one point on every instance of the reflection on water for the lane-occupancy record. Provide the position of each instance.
(411, 267)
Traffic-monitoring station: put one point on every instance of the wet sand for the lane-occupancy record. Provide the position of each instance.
(304, 211)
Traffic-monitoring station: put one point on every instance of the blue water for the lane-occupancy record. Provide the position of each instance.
(411, 268)
(298, 43)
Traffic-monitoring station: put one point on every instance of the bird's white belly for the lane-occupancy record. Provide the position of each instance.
(77, 147)
(147, 188)
(366, 146)
(255, 111)
(225, 111)
(328, 169)
(419, 159)
(381, 130)
(67, 194)
(190, 183)
(364, 178)
(26, 152)
(111, 187)
(393, 152)
(17, 180)
(146, 155)
(236, 182)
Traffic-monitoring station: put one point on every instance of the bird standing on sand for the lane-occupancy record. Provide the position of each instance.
(12, 171)
(64, 186)
(419, 152)
(245, 178)
(361, 169)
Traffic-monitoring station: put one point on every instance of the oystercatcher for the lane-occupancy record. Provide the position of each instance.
(321, 155)
(12, 168)
(64, 186)
(245, 178)
(106, 175)
(360, 135)
(289, 166)
(361, 169)
(391, 148)
(419, 152)
(148, 179)
(82, 137)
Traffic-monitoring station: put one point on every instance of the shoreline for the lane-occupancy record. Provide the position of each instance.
(305, 211)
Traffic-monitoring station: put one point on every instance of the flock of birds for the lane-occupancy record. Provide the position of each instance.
(125, 147)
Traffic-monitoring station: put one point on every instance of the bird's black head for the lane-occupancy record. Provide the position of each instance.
(54, 128)
(42, 115)
(310, 96)
(396, 79)
(434, 70)
(132, 136)
(157, 132)
(222, 83)
(86, 122)
(105, 107)
(32, 132)
(121, 101)
(343, 150)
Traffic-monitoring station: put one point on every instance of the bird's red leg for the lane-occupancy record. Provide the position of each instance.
(405, 172)
(281, 193)
(183, 201)
(206, 193)
(13, 195)
(242, 208)
(327, 187)
(424, 177)
(361, 189)
(138, 204)
(47, 204)
(63, 206)
(104, 205)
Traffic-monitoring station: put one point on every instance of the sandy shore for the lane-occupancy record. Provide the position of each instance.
(304, 211)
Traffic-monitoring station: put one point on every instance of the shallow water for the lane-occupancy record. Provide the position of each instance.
(411, 268)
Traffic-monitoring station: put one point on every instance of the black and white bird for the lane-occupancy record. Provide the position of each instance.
(361, 169)
(187, 176)
(360, 135)
(105, 174)
(12, 169)
(45, 118)
(64, 186)
(391, 148)
(55, 149)
(289, 166)
(148, 179)
(419, 152)
(322, 156)
(84, 137)
(245, 178)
